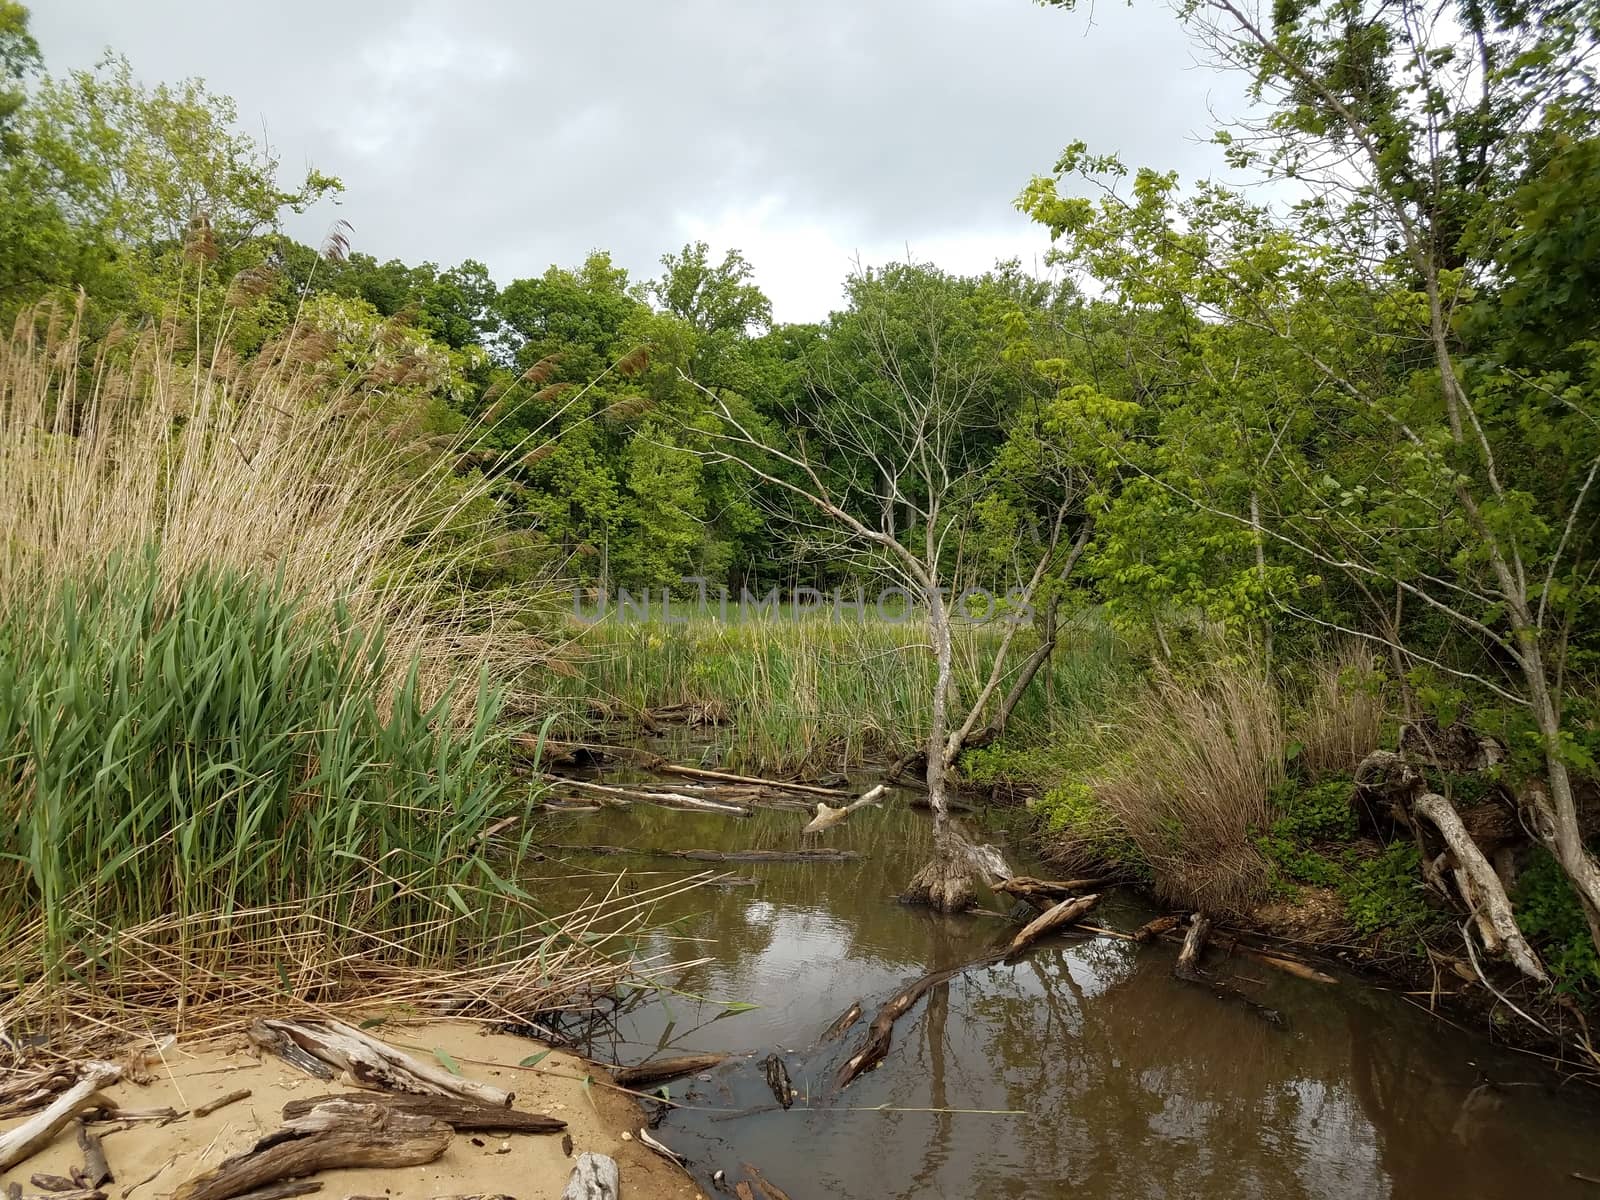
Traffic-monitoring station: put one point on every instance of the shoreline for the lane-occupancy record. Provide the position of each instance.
(150, 1159)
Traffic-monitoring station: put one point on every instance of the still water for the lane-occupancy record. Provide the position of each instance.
(1084, 1071)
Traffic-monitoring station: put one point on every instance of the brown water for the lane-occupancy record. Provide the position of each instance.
(1085, 1071)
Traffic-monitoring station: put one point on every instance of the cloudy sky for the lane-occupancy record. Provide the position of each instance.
(525, 133)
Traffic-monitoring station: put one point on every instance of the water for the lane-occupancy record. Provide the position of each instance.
(1084, 1071)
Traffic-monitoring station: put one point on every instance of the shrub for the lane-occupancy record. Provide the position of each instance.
(1551, 916)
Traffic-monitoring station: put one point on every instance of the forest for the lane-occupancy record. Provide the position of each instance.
(1247, 556)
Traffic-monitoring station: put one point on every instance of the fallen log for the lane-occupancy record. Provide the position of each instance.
(1194, 945)
(333, 1134)
(1045, 893)
(662, 1069)
(1151, 930)
(37, 1130)
(663, 799)
(461, 1114)
(284, 1190)
(211, 1106)
(594, 1177)
(96, 1170)
(827, 818)
(807, 854)
(76, 1193)
(1064, 913)
(367, 1061)
(879, 1034)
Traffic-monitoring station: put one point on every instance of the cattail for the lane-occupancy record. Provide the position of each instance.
(634, 361)
(541, 371)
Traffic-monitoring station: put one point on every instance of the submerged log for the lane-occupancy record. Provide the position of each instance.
(1062, 914)
(460, 1114)
(332, 1134)
(1044, 893)
(661, 1069)
(367, 1061)
(1289, 966)
(879, 1034)
(21, 1142)
(765, 1188)
(807, 854)
(842, 1022)
(594, 1177)
(664, 799)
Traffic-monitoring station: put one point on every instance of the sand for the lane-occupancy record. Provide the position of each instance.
(150, 1161)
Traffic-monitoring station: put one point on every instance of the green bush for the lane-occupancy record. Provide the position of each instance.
(1552, 918)
(178, 749)
(1385, 893)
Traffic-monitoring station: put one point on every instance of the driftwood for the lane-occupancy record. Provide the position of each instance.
(284, 1190)
(55, 1183)
(1481, 888)
(211, 1106)
(1045, 893)
(110, 1112)
(594, 1177)
(1064, 913)
(1194, 945)
(876, 1045)
(17, 1145)
(96, 1171)
(369, 1062)
(661, 1069)
(76, 1193)
(1151, 930)
(29, 1092)
(333, 1134)
(620, 795)
(462, 1115)
(779, 785)
(807, 854)
(645, 1139)
(827, 818)
(842, 1022)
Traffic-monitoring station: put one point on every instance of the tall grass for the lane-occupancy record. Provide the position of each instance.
(244, 712)
(1185, 771)
(815, 691)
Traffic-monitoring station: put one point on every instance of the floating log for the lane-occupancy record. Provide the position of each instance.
(1064, 913)
(333, 1134)
(1045, 893)
(96, 1171)
(842, 1022)
(594, 1177)
(461, 1114)
(1151, 930)
(804, 854)
(879, 1034)
(211, 1106)
(663, 799)
(1194, 945)
(369, 1062)
(827, 818)
(37, 1130)
(661, 1069)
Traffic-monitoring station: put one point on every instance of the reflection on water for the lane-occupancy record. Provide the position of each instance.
(1084, 1071)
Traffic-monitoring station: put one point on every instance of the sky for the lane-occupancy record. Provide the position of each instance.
(808, 135)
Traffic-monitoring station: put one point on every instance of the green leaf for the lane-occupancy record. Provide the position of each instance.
(373, 1022)
(533, 1060)
(450, 1064)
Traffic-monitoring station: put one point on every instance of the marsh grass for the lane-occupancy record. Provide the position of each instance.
(247, 713)
(815, 691)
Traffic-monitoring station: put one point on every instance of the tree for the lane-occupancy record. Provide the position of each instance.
(893, 456)
(1423, 408)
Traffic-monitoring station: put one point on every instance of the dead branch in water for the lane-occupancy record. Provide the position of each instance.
(665, 1068)
(809, 854)
(1062, 914)
(827, 818)
(618, 795)
(842, 1022)
(1045, 893)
